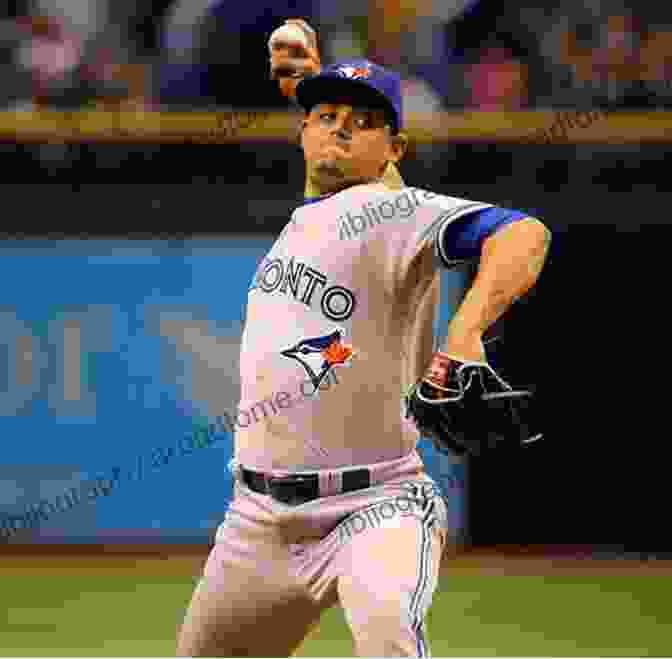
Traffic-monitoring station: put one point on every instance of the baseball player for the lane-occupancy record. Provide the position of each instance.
(331, 502)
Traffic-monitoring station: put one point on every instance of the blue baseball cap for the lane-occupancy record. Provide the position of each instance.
(360, 81)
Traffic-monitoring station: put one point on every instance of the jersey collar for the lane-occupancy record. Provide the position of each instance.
(314, 200)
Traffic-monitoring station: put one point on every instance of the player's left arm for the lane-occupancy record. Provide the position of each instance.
(512, 251)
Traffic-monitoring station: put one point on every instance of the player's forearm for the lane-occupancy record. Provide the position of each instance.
(511, 262)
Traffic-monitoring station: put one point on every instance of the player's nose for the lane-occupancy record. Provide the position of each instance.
(343, 133)
(341, 126)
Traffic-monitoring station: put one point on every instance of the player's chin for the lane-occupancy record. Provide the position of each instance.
(330, 169)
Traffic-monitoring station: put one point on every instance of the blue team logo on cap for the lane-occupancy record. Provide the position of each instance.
(354, 78)
(354, 72)
(319, 354)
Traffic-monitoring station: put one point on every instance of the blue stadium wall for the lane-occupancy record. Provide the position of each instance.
(115, 358)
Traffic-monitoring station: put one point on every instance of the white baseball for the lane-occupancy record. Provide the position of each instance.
(288, 33)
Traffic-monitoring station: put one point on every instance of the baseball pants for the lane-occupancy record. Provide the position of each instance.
(275, 568)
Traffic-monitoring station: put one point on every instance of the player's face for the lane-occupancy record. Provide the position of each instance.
(344, 145)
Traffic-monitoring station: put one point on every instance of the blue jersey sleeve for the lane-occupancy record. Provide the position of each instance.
(462, 239)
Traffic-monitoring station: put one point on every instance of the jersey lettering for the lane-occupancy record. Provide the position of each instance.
(302, 282)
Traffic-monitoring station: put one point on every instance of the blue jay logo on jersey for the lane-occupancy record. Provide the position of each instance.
(318, 355)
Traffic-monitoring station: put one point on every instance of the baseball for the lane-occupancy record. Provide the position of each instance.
(288, 34)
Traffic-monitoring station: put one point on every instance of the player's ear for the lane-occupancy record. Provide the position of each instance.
(300, 128)
(398, 146)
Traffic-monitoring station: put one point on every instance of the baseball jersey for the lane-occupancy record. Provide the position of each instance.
(340, 319)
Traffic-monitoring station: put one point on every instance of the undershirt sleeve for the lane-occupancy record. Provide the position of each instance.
(463, 238)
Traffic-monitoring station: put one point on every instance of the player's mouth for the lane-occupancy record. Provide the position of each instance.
(337, 147)
(328, 167)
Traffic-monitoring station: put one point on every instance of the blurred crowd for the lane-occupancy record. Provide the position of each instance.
(453, 54)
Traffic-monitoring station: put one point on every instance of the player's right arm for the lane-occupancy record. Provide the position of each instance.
(290, 62)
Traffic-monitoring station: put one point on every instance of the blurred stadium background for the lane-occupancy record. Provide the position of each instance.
(125, 260)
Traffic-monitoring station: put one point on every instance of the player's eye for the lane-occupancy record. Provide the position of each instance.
(363, 122)
(328, 116)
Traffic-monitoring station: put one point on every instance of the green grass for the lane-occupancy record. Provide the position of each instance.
(52, 614)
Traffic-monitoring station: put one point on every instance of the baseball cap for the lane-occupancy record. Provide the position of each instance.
(362, 82)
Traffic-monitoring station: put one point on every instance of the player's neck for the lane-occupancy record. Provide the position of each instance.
(315, 188)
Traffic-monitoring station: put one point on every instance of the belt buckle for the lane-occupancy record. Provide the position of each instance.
(287, 490)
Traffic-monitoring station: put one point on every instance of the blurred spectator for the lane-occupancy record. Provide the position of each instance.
(67, 75)
(216, 54)
(210, 44)
(86, 18)
(613, 64)
(136, 26)
(344, 29)
(451, 53)
(178, 32)
(46, 65)
(414, 38)
(603, 58)
(16, 85)
(498, 81)
(499, 26)
(394, 33)
(51, 55)
(656, 67)
(617, 56)
(418, 96)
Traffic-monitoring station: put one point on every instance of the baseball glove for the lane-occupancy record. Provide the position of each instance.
(467, 407)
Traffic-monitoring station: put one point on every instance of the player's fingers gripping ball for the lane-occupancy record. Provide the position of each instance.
(466, 407)
(294, 54)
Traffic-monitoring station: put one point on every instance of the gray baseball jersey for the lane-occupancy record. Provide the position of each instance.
(352, 281)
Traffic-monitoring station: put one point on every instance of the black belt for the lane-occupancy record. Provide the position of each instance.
(301, 488)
